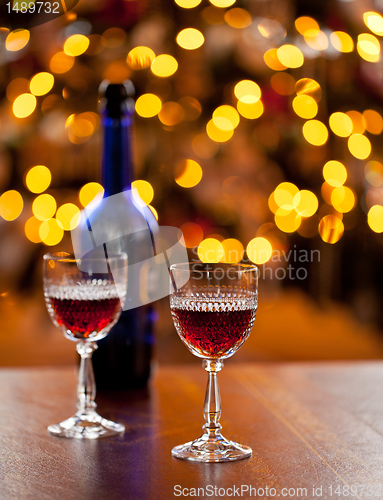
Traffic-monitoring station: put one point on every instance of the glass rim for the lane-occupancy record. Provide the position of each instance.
(70, 258)
(187, 267)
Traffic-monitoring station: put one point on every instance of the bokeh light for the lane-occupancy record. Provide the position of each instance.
(148, 105)
(11, 205)
(92, 191)
(343, 199)
(251, 111)
(61, 63)
(238, 18)
(76, 45)
(374, 121)
(335, 173)
(44, 207)
(342, 41)
(188, 4)
(318, 41)
(374, 22)
(164, 65)
(218, 134)
(68, 215)
(284, 195)
(359, 146)
(368, 47)
(271, 59)
(358, 121)
(210, 250)
(283, 83)
(375, 218)
(341, 124)
(171, 113)
(233, 250)
(41, 83)
(331, 229)
(51, 232)
(140, 57)
(290, 56)
(143, 192)
(190, 39)
(308, 86)
(315, 132)
(17, 87)
(192, 233)
(247, 91)
(307, 26)
(17, 40)
(373, 172)
(305, 106)
(259, 250)
(287, 221)
(229, 113)
(32, 229)
(24, 105)
(222, 3)
(305, 203)
(188, 173)
(38, 179)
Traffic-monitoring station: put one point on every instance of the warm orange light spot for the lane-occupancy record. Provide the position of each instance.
(373, 172)
(171, 113)
(259, 250)
(306, 25)
(210, 250)
(375, 218)
(233, 250)
(229, 113)
(359, 146)
(61, 63)
(193, 234)
(290, 56)
(308, 86)
(143, 192)
(76, 45)
(284, 195)
(374, 121)
(283, 83)
(341, 124)
(374, 22)
(140, 57)
(51, 232)
(17, 40)
(343, 199)
(218, 134)
(331, 229)
(341, 41)
(250, 111)
(335, 173)
(305, 203)
(190, 39)
(164, 65)
(188, 173)
(44, 206)
(247, 91)
(41, 83)
(11, 205)
(368, 47)
(68, 215)
(32, 228)
(315, 132)
(271, 59)
(287, 221)
(24, 105)
(148, 105)
(305, 106)
(92, 191)
(38, 179)
(238, 18)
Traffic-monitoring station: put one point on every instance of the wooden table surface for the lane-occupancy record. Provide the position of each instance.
(314, 426)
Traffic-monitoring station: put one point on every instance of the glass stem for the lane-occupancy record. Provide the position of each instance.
(212, 405)
(86, 387)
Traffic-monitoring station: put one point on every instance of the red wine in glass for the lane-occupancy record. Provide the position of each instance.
(84, 312)
(213, 329)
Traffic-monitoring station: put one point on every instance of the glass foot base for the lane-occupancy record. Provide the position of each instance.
(211, 449)
(91, 426)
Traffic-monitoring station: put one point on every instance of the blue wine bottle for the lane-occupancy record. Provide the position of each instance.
(123, 358)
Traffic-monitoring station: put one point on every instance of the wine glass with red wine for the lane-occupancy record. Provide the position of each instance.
(84, 298)
(213, 312)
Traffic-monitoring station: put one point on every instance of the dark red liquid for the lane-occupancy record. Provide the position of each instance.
(85, 317)
(213, 333)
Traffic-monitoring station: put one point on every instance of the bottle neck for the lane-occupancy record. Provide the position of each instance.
(117, 163)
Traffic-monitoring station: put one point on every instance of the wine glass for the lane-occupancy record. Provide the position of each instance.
(84, 299)
(213, 311)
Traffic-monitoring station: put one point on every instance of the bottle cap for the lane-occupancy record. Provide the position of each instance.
(117, 98)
